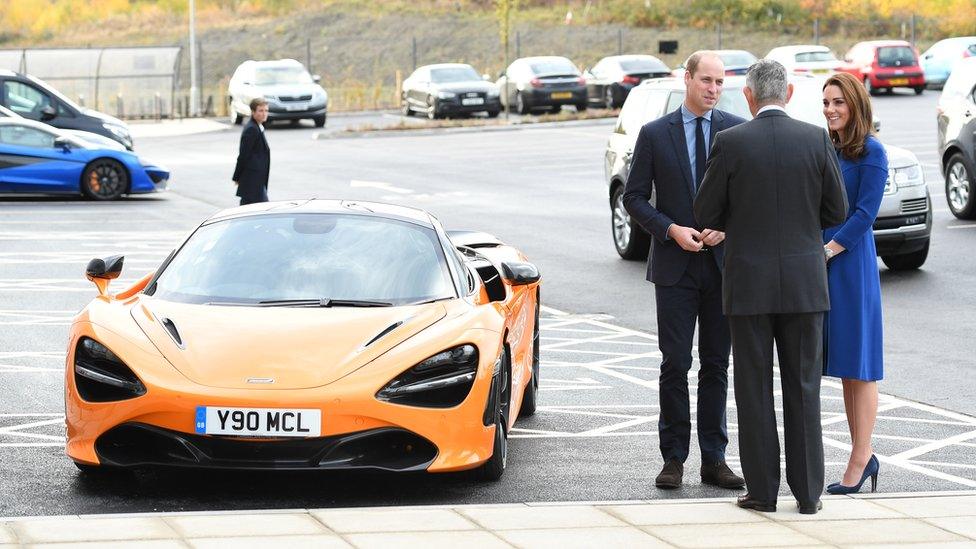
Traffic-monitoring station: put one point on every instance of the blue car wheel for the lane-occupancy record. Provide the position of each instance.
(104, 179)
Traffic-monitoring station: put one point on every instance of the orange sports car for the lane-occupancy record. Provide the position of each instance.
(320, 334)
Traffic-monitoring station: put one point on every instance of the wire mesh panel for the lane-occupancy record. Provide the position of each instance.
(11, 59)
(70, 71)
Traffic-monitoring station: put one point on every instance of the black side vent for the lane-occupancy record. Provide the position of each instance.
(385, 331)
(493, 281)
(173, 332)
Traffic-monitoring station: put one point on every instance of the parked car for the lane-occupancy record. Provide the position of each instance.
(884, 65)
(532, 83)
(90, 137)
(38, 158)
(377, 341)
(34, 99)
(810, 59)
(611, 79)
(292, 93)
(735, 61)
(957, 144)
(938, 61)
(904, 224)
(447, 89)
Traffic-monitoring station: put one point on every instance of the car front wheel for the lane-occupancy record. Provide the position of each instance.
(959, 187)
(319, 121)
(608, 100)
(629, 238)
(906, 262)
(104, 179)
(867, 86)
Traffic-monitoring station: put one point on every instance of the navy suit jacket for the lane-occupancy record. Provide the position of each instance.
(253, 164)
(661, 165)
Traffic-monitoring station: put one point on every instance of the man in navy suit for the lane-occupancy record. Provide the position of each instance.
(254, 157)
(685, 267)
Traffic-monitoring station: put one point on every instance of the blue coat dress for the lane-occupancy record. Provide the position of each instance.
(852, 327)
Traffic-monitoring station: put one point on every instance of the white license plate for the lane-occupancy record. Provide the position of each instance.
(258, 422)
(296, 107)
(472, 101)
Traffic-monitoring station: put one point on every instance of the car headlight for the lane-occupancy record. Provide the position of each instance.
(905, 176)
(492, 93)
(319, 96)
(446, 95)
(439, 381)
(101, 376)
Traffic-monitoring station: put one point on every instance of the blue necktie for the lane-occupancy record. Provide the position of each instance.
(699, 152)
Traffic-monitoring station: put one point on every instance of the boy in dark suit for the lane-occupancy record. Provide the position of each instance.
(254, 158)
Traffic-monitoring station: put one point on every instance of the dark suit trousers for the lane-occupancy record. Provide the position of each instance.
(696, 296)
(254, 200)
(799, 346)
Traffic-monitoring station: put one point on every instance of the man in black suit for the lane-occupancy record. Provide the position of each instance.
(773, 184)
(685, 267)
(254, 157)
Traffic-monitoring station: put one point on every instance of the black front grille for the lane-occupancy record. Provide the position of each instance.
(387, 449)
(900, 221)
(294, 97)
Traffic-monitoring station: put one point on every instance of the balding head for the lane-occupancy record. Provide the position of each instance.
(695, 59)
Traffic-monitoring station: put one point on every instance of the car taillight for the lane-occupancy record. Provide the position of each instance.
(629, 79)
(535, 83)
(581, 81)
(967, 53)
(801, 69)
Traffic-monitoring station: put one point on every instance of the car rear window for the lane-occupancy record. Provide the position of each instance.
(553, 66)
(738, 59)
(895, 56)
(814, 56)
(643, 65)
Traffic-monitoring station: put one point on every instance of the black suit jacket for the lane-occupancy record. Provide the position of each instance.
(253, 164)
(773, 184)
(661, 161)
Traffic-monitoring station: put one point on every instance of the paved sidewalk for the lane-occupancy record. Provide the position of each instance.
(944, 519)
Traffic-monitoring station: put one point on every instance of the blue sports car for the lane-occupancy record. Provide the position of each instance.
(37, 158)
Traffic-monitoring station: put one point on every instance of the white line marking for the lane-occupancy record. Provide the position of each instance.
(935, 445)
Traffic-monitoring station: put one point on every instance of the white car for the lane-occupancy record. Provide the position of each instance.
(291, 92)
(809, 59)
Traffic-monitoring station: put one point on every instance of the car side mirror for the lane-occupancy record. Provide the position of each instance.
(48, 112)
(316, 78)
(102, 271)
(877, 125)
(63, 143)
(519, 273)
(246, 83)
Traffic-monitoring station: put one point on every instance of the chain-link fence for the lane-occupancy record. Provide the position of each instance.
(133, 82)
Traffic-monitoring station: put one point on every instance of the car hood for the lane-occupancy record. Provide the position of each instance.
(899, 157)
(473, 85)
(104, 117)
(224, 346)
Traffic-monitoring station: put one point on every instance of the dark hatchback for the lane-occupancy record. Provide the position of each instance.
(611, 79)
(33, 99)
(448, 89)
(532, 83)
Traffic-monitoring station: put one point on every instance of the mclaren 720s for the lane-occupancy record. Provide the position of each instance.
(322, 334)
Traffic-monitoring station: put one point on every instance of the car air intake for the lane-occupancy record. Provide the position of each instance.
(100, 376)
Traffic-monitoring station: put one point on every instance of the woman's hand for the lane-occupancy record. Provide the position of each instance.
(831, 249)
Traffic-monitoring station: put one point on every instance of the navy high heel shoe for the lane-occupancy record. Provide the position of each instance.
(870, 470)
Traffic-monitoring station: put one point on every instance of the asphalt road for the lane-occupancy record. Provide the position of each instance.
(540, 188)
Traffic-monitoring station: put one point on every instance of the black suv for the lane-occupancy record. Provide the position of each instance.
(957, 144)
(33, 99)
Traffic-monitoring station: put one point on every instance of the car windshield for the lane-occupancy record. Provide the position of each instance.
(270, 76)
(897, 56)
(553, 66)
(453, 74)
(737, 59)
(814, 56)
(308, 256)
(643, 65)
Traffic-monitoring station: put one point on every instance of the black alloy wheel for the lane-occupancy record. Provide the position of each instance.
(319, 121)
(919, 90)
(104, 179)
(493, 469)
(628, 237)
(608, 99)
(959, 189)
(906, 262)
(493, 114)
(521, 106)
(530, 398)
(581, 107)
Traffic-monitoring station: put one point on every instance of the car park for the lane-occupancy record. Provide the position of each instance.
(736, 62)
(448, 89)
(811, 59)
(902, 229)
(34, 99)
(533, 83)
(884, 65)
(939, 60)
(956, 120)
(611, 79)
(376, 341)
(38, 158)
(291, 92)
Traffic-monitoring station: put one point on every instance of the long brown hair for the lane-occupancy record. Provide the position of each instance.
(861, 122)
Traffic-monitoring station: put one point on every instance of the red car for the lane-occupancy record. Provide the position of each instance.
(885, 65)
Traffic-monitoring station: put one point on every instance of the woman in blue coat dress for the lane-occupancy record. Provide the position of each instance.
(852, 327)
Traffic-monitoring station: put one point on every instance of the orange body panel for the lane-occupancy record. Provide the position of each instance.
(225, 345)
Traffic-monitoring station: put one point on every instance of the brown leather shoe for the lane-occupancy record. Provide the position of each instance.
(670, 476)
(719, 474)
(748, 502)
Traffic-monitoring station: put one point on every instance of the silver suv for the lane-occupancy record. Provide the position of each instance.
(291, 92)
(904, 223)
(957, 138)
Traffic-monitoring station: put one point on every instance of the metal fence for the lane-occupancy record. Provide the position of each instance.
(129, 82)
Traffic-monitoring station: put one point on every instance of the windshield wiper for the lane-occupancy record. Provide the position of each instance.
(324, 302)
